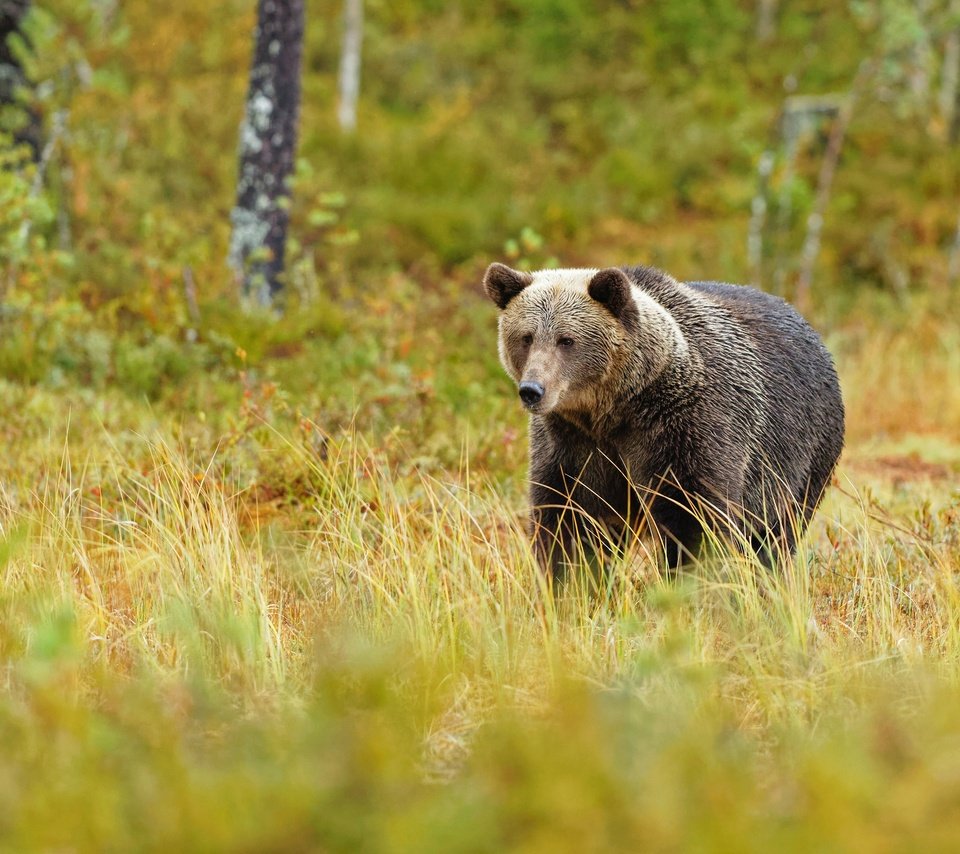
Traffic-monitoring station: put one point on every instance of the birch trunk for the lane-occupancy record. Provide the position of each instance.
(950, 76)
(766, 19)
(349, 78)
(758, 218)
(268, 141)
(921, 56)
(828, 168)
(953, 266)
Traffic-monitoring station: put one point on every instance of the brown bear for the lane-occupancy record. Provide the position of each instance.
(666, 406)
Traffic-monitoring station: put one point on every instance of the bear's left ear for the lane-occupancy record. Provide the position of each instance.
(502, 284)
(611, 288)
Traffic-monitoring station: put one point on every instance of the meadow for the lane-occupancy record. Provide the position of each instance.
(244, 629)
(264, 580)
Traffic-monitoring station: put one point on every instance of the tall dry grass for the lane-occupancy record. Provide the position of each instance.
(161, 569)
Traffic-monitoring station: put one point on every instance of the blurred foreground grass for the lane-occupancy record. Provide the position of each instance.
(285, 607)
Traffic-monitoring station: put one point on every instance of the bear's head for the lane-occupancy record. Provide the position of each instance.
(563, 333)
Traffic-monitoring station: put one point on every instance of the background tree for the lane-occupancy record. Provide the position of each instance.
(766, 19)
(950, 75)
(349, 76)
(268, 141)
(22, 118)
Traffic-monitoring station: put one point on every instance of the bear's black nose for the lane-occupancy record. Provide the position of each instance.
(531, 393)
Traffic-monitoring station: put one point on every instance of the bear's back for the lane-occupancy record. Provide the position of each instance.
(805, 424)
(791, 351)
(746, 319)
(740, 331)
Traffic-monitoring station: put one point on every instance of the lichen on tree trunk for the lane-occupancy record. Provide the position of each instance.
(268, 141)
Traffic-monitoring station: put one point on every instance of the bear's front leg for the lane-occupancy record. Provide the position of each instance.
(568, 518)
(677, 526)
(556, 531)
(579, 495)
(682, 512)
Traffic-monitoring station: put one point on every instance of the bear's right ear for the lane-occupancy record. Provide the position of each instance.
(502, 284)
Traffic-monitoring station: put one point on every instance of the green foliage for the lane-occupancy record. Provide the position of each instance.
(61, 343)
(24, 209)
(145, 368)
(616, 134)
(526, 251)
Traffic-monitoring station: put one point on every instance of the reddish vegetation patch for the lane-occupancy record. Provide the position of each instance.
(285, 502)
(902, 469)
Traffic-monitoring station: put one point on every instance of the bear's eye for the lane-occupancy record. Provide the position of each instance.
(527, 340)
(565, 342)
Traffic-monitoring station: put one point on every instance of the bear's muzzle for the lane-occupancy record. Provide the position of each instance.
(531, 394)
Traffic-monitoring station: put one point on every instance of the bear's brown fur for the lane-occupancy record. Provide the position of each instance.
(676, 404)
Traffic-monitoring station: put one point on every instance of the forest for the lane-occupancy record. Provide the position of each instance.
(265, 575)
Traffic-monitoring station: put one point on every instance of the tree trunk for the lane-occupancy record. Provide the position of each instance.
(953, 266)
(828, 168)
(949, 79)
(29, 129)
(766, 19)
(758, 218)
(919, 74)
(268, 141)
(349, 82)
